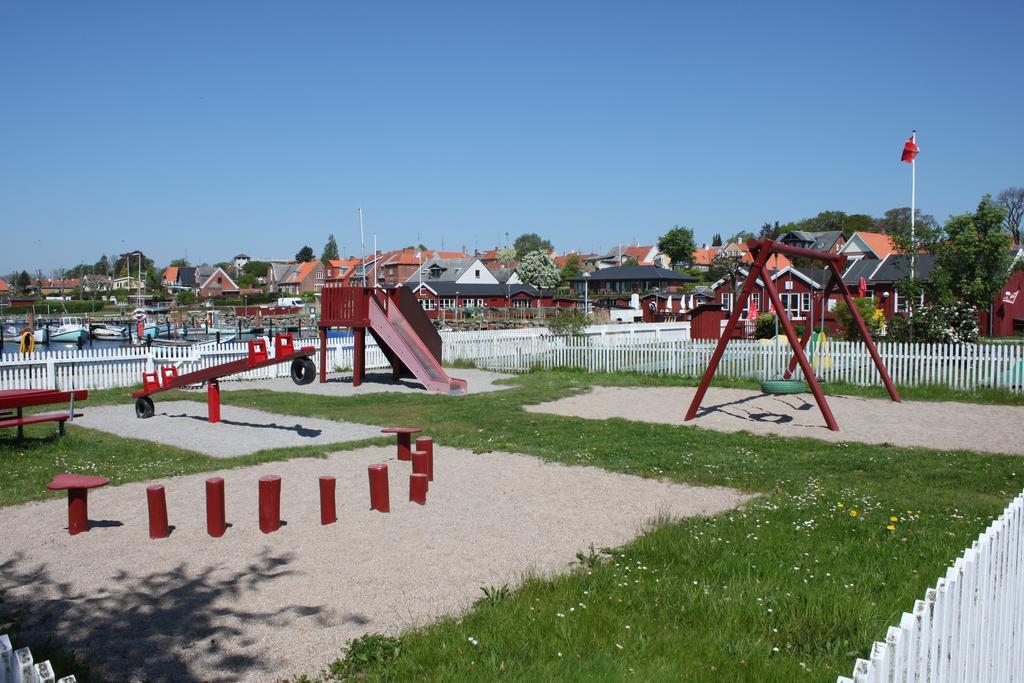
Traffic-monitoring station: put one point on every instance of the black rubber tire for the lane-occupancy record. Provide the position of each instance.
(783, 386)
(144, 407)
(303, 371)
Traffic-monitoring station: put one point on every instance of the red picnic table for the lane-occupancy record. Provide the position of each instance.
(17, 400)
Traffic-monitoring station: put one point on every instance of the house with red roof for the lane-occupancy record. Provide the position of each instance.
(869, 245)
(5, 289)
(299, 278)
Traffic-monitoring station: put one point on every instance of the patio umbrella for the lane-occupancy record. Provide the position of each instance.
(862, 288)
(668, 304)
(752, 313)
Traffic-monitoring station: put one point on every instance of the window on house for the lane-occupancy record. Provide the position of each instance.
(520, 303)
(447, 303)
(480, 303)
(791, 302)
(900, 303)
(477, 272)
(428, 304)
(319, 275)
(805, 301)
(727, 301)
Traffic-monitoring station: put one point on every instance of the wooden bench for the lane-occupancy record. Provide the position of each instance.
(38, 418)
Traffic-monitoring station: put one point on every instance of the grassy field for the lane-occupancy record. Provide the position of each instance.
(792, 587)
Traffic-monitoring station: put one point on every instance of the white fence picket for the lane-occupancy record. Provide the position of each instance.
(968, 628)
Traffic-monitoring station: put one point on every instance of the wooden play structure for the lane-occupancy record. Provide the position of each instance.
(761, 250)
(400, 327)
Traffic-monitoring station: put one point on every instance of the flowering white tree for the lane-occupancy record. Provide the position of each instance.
(537, 269)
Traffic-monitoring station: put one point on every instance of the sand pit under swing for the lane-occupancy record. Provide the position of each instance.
(250, 606)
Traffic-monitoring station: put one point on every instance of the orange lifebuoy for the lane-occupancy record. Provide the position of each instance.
(28, 342)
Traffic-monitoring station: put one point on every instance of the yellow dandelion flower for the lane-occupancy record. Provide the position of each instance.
(853, 513)
(891, 528)
(894, 519)
(840, 506)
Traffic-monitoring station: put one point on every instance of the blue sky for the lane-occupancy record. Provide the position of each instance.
(215, 128)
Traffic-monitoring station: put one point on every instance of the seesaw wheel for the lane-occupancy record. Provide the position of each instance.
(144, 407)
(303, 371)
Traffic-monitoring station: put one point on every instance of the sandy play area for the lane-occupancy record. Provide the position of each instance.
(340, 384)
(255, 607)
(241, 430)
(931, 424)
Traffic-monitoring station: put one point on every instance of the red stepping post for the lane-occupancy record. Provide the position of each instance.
(77, 486)
(419, 463)
(380, 498)
(216, 519)
(328, 511)
(213, 400)
(270, 503)
(418, 488)
(157, 501)
(426, 445)
(404, 435)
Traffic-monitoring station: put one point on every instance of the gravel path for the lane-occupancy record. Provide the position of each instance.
(241, 430)
(254, 607)
(931, 424)
(479, 381)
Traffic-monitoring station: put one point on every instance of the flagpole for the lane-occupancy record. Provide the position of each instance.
(913, 202)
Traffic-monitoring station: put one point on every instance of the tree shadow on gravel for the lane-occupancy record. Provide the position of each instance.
(153, 626)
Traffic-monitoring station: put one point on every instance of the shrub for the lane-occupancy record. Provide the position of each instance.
(569, 322)
(186, 298)
(949, 323)
(873, 318)
(765, 326)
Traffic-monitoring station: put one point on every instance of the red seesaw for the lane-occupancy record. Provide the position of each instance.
(303, 372)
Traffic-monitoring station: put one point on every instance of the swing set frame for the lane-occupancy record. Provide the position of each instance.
(761, 250)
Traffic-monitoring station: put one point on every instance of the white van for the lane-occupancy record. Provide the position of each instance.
(290, 301)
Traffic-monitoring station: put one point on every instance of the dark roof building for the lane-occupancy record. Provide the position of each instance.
(628, 279)
(831, 240)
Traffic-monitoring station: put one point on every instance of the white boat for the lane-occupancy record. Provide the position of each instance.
(70, 331)
(110, 332)
(181, 343)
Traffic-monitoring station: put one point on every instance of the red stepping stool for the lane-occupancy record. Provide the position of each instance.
(77, 486)
(404, 435)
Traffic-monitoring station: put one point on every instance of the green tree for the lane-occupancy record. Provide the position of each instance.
(872, 317)
(572, 267)
(679, 244)
(330, 250)
(102, 266)
(529, 242)
(536, 268)
(973, 260)
(897, 222)
(742, 236)
(305, 255)
(716, 239)
(179, 263)
(24, 281)
(252, 272)
(185, 297)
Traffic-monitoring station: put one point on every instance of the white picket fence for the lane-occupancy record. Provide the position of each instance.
(648, 349)
(18, 666)
(109, 368)
(966, 366)
(970, 627)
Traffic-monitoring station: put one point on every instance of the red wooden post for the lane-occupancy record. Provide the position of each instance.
(213, 400)
(418, 488)
(323, 355)
(716, 357)
(426, 444)
(358, 355)
(328, 510)
(380, 498)
(78, 510)
(794, 342)
(157, 502)
(419, 463)
(270, 503)
(216, 519)
(868, 341)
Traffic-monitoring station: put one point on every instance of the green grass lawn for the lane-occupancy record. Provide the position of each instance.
(791, 587)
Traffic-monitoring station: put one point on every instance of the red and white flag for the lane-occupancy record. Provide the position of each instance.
(910, 149)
